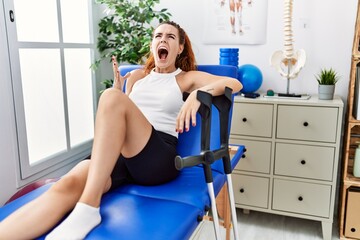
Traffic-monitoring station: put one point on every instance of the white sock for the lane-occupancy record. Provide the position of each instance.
(78, 224)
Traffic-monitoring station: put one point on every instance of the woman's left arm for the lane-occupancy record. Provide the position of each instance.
(213, 84)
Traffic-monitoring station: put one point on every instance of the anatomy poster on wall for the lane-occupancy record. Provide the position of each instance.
(235, 21)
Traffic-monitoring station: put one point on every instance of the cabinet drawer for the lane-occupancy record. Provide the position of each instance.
(307, 123)
(257, 156)
(251, 191)
(252, 119)
(304, 161)
(300, 197)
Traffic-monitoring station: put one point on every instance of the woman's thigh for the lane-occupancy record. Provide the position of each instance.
(152, 166)
(155, 164)
(136, 128)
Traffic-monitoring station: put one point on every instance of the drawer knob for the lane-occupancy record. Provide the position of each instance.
(306, 124)
(244, 119)
(303, 162)
(242, 190)
(300, 198)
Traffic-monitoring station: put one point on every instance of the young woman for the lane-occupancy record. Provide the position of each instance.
(135, 139)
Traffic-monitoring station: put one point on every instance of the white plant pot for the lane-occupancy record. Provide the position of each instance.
(326, 92)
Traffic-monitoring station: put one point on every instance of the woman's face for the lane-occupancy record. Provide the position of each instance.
(165, 47)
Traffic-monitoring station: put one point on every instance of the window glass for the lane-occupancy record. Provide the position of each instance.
(75, 21)
(36, 20)
(80, 94)
(43, 102)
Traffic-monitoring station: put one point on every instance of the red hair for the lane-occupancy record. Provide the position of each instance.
(186, 60)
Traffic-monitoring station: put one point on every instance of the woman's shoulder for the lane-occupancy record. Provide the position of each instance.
(186, 80)
(193, 74)
(138, 74)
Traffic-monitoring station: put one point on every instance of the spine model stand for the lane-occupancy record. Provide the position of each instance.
(287, 62)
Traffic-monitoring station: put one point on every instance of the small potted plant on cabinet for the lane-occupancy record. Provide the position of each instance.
(327, 78)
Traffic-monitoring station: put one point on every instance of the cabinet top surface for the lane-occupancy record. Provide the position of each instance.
(313, 100)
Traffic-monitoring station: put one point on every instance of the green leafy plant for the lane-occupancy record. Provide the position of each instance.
(107, 84)
(126, 31)
(327, 77)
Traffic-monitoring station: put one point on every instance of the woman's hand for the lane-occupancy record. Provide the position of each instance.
(118, 79)
(187, 113)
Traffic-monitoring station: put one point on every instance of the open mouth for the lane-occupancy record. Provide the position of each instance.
(163, 53)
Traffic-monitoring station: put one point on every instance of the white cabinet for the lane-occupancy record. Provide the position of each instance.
(301, 197)
(292, 153)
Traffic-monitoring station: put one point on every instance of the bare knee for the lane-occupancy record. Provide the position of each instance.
(74, 181)
(112, 99)
(111, 95)
(67, 185)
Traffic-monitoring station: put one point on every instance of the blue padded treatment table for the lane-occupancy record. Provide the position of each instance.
(168, 211)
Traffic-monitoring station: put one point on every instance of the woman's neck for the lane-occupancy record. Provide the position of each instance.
(165, 70)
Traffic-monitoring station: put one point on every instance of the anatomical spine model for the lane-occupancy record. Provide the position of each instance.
(286, 62)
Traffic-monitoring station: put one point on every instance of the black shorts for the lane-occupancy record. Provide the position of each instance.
(154, 165)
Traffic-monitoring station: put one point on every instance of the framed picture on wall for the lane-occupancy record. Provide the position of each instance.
(235, 21)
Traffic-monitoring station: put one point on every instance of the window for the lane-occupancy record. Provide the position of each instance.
(51, 49)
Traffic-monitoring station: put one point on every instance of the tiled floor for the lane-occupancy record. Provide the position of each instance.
(264, 226)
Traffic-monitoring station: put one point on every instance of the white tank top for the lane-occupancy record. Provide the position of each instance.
(159, 97)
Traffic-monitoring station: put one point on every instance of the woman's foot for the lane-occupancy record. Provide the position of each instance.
(78, 224)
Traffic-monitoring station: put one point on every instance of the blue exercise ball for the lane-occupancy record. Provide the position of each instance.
(250, 77)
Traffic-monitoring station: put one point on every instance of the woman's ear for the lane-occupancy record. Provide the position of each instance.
(181, 49)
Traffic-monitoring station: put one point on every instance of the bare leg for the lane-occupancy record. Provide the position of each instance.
(127, 132)
(120, 128)
(47, 209)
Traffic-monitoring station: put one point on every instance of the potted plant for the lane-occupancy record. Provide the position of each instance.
(327, 78)
(126, 30)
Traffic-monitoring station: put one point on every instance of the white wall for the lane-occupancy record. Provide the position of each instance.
(327, 40)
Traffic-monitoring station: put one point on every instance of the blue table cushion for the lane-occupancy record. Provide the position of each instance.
(148, 212)
(130, 217)
(135, 217)
(190, 188)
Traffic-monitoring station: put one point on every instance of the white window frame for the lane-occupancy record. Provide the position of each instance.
(75, 153)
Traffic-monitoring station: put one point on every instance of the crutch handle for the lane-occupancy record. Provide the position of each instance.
(205, 157)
